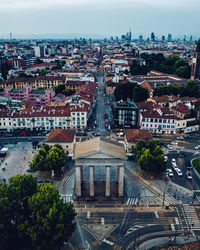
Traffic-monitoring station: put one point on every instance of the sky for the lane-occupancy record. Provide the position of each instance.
(100, 18)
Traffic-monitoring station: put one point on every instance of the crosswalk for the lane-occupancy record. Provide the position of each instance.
(188, 150)
(67, 197)
(193, 219)
(131, 202)
(69, 178)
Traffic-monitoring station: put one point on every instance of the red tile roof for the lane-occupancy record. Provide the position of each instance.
(182, 108)
(134, 135)
(61, 135)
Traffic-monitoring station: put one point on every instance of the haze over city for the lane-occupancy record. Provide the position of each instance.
(98, 19)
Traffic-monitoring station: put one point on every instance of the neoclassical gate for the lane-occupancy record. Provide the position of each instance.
(99, 152)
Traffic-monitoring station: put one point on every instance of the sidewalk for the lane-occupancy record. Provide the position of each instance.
(180, 240)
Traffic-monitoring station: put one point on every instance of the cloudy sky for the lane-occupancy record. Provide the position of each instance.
(100, 17)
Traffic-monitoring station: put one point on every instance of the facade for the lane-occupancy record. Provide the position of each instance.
(65, 137)
(44, 118)
(30, 95)
(196, 63)
(125, 114)
(45, 82)
(132, 136)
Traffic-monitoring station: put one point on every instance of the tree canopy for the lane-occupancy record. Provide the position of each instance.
(150, 156)
(49, 158)
(60, 89)
(130, 90)
(190, 89)
(171, 65)
(33, 217)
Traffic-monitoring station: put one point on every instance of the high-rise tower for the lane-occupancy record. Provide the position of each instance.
(196, 63)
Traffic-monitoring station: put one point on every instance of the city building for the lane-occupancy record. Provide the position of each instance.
(195, 71)
(65, 137)
(125, 114)
(132, 136)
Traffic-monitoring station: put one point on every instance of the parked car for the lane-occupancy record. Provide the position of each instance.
(173, 160)
(175, 167)
(189, 176)
(180, 138)
(179, 172)
(174, 143)
(197, 147)
(169, 146)
(169, 172)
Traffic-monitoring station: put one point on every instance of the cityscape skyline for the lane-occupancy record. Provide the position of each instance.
(99, 18)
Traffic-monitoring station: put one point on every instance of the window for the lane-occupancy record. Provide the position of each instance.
(156, 120)
(146, 125)
(168, 126)
(151, 120)
(168, 121)
(160, 120)
(143, 119)
(164, 121)
(164, 126)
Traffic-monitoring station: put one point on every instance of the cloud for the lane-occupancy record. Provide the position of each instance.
(39, 4)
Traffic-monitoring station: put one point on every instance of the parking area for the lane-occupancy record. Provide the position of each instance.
(17, 160)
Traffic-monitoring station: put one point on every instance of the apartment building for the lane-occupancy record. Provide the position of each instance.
(44, 118)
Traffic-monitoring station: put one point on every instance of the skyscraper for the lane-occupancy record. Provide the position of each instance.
(169, 39)
(140, 38)
(196, 63)
(152, 36)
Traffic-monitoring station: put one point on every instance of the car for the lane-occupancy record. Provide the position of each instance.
(173, 160)
(175, 167)
(179, 172)
(169, 172)
(169, 146)
(180, 138)
(166, 157)
(197, 147)
(30, 170)
(174, 143)
(188, 165)
(189, 176)
(182, 154)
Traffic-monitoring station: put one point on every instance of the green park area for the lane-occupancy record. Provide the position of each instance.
(196, 164)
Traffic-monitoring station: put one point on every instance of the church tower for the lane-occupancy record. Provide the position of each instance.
(196, 63)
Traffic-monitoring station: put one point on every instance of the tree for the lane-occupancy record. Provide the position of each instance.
(140, 94)
(141, 145)
(43, 72)
(52, 220)
(150, 156)
(49, 158)
(33, 217)
(14, 210)
(58, 89)
(183, 71)
(130, 90)
(145, 161)
(56, 158)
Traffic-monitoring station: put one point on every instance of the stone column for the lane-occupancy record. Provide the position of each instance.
(78, 181)
(118, 174)
(121, 181)
(91, 181)
(107, 181)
